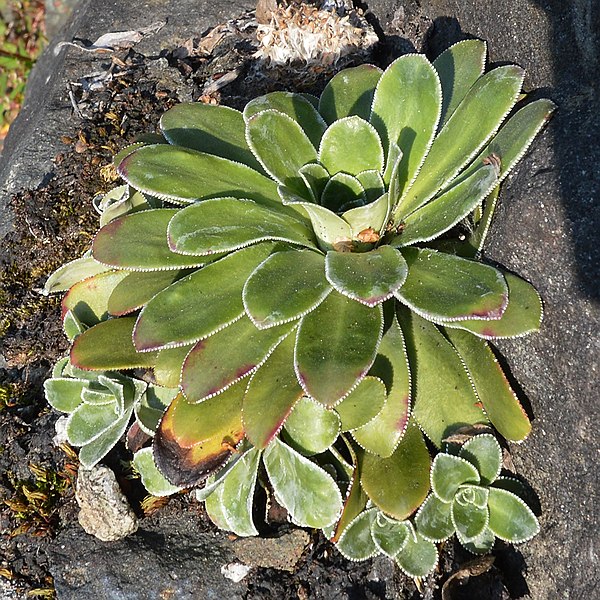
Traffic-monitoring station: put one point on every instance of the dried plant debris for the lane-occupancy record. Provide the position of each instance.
(117, 40)
(305, 34)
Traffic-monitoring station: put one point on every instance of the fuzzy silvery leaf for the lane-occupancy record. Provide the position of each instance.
(322, 433)
(342, 192)
(389, 535)
(448, 473)
(152, 479)
(418, 557)
(469, 512)
(319, 504)
(511, 519)
(70, 273)
(484, 453)
(433, 520)
(356, 541)
(64, 393)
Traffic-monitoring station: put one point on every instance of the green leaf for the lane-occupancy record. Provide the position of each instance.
(500, 402)
(93, 452)
(515, 137)
(336, 347)
(372, 183)
(474, 121)
(285, 287)
(172, 317)
(383, 433)
(108, 346)
(315, 177)
(444, 212)
(459, 67)
(406, 111)
(139, 242)
(319, 504)
(433, 521)
(368, 277)
(89, 421)
(64, 393)
(351, 145)
(150, 408)
(444, 287)
(311, 427)
(398, 484)
(237, 494)
(272, 393)
(226, 224)
(349, 92)
(87, 301)
(448, 473)
(523, 314)
(482, 544)
(484, 452)
(296, 106)
(226, 357)
(152, 479)
(389, 535)
(209, 128)
(362, 404)
(215, 509)
(443, 395)
(356, 542)
(183, 175)
(342, 191)
(373, 215)
(419, 557)
(135, 289)
(354, 504)
(72, 272)
(195, 440)
(469, 519)
(328, 227)
(510, 518)
(281, 146)
(168, 365)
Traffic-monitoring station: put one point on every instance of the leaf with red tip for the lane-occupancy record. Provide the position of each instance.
(195, 440)
(200, 304)
(336, 347)
(139, 242)
(272, 393)
(134, 290)
(108, 346)
(183, 175)
(367, 277)
(383, 433)
(88, 300)
(443, 287)
(523, 314)
(226, 357)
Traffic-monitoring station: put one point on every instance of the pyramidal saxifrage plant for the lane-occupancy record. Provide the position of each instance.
(301, 283)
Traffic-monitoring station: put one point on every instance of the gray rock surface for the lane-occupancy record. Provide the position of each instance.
(103, 509)
(546, 230)
(168, 561)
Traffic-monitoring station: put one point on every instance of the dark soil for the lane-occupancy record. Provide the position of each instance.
(54, 224)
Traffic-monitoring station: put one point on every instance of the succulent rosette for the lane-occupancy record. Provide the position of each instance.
(305, 276)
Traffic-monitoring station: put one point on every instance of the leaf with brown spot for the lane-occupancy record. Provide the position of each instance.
(195, 440)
